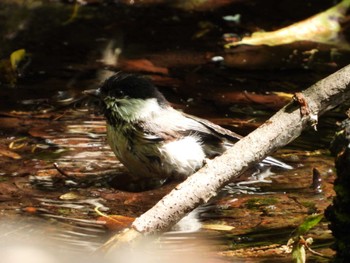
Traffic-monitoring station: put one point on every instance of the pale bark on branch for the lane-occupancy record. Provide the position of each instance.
(286, 125)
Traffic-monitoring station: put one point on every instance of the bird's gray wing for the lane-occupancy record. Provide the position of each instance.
(215, 129)
(233, 137)
(174, 125)
(148, 133)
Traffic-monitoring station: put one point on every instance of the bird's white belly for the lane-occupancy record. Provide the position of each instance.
(183, 157)
(178, 159)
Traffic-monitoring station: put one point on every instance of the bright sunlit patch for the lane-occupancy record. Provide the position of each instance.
(186, 153)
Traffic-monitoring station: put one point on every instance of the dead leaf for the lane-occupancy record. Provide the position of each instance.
(70, 196)
(116, 222)
(321, 28)
(10, 154)
(16, 57)
(217, 227)
(143, 65)
(30, 210)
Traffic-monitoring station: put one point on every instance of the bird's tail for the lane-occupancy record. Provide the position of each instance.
(270, 161)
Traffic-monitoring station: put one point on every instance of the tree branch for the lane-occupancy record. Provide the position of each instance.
(286, 125)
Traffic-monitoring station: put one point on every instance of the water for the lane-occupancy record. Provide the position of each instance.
(52, 143)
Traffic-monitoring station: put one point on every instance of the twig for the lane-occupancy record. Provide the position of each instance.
(61, 171)
(316, 253)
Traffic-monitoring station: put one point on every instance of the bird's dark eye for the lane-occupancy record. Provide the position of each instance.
(116, 93)
(121, 93)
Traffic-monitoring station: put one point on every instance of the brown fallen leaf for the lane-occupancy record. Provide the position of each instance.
(8, 153)
(116, 222)
(30, 210)
(137, 65)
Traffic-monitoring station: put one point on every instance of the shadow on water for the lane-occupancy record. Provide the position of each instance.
(45, 120)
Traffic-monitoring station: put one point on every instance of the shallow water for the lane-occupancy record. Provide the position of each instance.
(45, 120)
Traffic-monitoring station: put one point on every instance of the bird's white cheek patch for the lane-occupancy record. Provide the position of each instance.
(185, 154)
(137, 109)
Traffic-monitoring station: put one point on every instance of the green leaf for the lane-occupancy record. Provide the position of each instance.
(308, 223)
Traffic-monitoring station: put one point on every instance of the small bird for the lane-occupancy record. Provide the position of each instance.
(151, 138)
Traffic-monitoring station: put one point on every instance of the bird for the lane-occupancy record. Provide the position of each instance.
(154, 141)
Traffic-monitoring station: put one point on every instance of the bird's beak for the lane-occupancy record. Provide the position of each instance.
(93, 92)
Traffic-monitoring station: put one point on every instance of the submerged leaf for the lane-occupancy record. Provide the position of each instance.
(322, 28)
(74, 14)
(16, 57)
(114, 222)
(219, 227)
(10, 154)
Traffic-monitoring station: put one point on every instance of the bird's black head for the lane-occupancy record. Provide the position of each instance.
(130, 86)
(128, 98)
